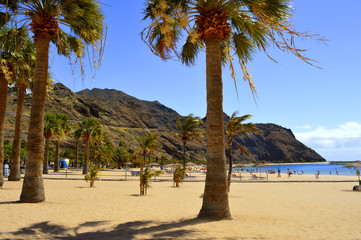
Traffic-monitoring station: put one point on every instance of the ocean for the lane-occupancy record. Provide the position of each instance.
(309, 168)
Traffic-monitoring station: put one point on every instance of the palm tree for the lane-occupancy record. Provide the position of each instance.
(178, 175)
(224, 28)
(103, 150)
(235, 126)
(62, 128)
(121, 154)
(148, 145)
(25, 65)
(85, 20)
(50, 126)
(189, 130)
(77, 135)
(92, 176)
(90, 130)
(3, 101)
(7, 72)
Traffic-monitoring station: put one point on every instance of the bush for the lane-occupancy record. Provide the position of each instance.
(146, 178)
(178, 175)
(92, 175)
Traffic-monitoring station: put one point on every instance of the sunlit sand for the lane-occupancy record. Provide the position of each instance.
(114, 210)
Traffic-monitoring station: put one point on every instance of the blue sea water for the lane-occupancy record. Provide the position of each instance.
(312, 168)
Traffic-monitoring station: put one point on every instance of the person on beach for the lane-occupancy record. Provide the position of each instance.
(279, 172)
(289, 173)
(336, 171)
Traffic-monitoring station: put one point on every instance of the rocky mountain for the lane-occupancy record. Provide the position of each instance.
(127, 118)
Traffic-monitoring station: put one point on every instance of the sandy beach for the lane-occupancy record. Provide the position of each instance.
(114, 210)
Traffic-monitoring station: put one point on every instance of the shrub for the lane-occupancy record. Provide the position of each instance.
(178, 175)
(92, 175)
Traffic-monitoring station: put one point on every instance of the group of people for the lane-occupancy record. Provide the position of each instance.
(289, 172)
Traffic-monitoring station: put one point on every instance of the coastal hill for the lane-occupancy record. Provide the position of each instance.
(127, 118)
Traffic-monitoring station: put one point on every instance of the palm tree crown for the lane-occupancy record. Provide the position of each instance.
(149, 143)
(50, 125)
(62, 125)
(90, 128)
(243, 26)
(190, 129)
(235, 126)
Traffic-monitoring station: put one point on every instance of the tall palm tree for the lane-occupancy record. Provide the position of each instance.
(90, 129)
(189, 130)
(148, 145)
(50, 126)
(3, 101)
(103, 150)
(62, 128)
(235, 126)
(25, 65)
(121, 154)
(77, 135)
(85, 20)
(7, 72)
(224, 29)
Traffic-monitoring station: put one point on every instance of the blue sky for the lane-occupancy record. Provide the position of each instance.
(321, 106)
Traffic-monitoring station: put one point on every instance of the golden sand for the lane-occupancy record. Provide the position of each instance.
(114, 210)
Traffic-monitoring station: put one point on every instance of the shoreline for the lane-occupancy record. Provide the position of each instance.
(199, 176)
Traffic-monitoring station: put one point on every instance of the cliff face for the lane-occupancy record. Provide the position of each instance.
(127, 118)
(278, 144)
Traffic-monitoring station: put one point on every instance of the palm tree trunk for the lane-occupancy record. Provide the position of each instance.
(56, 163)
(15, 154)
(46, 157)
(141, 180)
(184, 156)
(230, 165)
(3, 102)
(215, 200)
(33, 185)
(86, 157)
(76, 153)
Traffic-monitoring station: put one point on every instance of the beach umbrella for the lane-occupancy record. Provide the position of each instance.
(357, 166)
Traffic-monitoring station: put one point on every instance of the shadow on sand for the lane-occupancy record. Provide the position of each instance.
(10, 202)
(128, 230)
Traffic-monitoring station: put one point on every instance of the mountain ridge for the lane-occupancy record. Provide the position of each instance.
(127, 118)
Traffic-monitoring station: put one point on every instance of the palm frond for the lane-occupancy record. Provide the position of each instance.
(190, 51)
(243, 47)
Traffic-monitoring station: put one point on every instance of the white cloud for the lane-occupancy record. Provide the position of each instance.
(347, 130)
(341, 143)
(307, 126)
